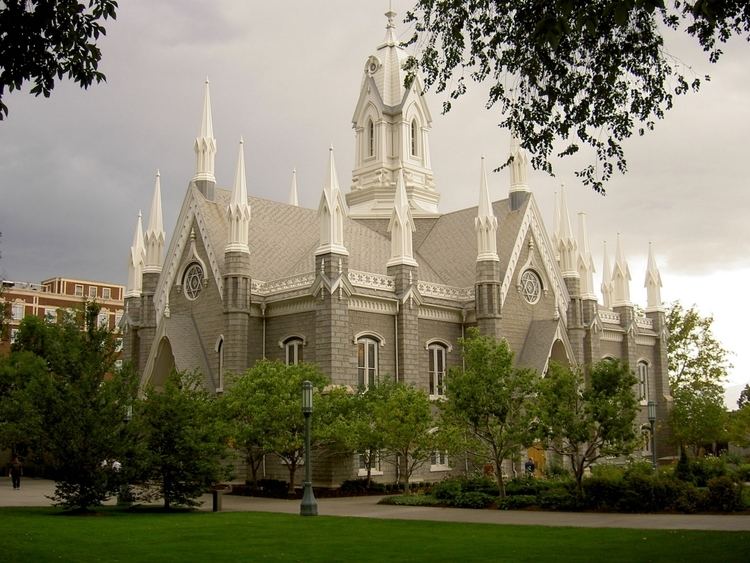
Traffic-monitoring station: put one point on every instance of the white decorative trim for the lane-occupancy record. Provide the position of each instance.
(282, 285)
(609, 317)
(282, 308)
(190, 210)
(644, 322)
(219, 340)
(369, 333)
(444, 343)
(440, 291)
(373, 305)
(371, 280)
(612, 336)
(532, 222)
(289, 337)
(444, 314)
(645, 340)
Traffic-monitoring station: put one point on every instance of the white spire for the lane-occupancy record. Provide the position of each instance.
(586, 267)
(155, 235)
(205, 143)
(556, 225)
(331, 213)
(653, 283)
(135, 263)
(519, 167)
(293, 199)
(485, 222)
(401, 227)
(606, 280)
(390, 27)
(620, 279)
(238, 210)
(566, 243)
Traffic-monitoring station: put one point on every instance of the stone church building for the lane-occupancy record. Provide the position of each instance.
(376, 282)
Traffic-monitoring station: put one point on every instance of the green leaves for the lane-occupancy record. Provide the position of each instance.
(491, 400)
(41, 40)
(585, 420)
(596, 69)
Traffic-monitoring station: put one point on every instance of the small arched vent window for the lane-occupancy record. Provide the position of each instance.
(370, 138)
(414, 139)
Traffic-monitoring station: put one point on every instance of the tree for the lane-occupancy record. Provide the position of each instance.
(355, 429)
(405, 419)
(587, 420)
(739, 426)
(41, 40)
(274, 393)
(569, 73)
(492, 400)
(744, 397)
(76, 404)
(695, 356)
(183, 443)
(698, 416)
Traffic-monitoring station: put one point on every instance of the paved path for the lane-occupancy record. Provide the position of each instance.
(35, 492)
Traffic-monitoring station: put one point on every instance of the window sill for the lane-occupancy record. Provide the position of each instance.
(373, 473)
(436, 468)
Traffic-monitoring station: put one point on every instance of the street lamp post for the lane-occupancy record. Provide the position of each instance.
(309, 506)
(652, 421)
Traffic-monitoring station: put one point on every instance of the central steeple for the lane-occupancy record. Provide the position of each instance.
(392, 125)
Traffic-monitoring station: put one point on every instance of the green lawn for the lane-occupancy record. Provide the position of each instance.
(44, 534)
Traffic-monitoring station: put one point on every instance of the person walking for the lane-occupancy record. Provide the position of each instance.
(16, 470)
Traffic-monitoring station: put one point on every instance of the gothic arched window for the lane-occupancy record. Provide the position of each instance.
(436, 361)
(367, 362)
(414, 140)
(293, 350)
(643, 390)
(370, 138)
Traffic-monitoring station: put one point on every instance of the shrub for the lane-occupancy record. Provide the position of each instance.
(410, 500)
(556, 471)
(353, 487)
(559, 499)
(447, 490)
(472, 499)
(689, 498)
(724, 494)
(604, 491)
(274, 488)
(743, 472)
(516, 502)
(480, 485)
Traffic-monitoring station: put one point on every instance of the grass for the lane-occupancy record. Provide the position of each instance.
(45, 534)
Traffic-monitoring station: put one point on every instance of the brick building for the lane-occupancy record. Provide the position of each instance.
(377, 283)
(54, 297)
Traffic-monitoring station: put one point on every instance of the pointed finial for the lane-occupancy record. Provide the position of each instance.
(485, 223)
(293, 198)
(653, 283)
(620, 278)
(155, 236)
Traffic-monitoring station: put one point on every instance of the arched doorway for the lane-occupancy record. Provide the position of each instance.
(164, 364)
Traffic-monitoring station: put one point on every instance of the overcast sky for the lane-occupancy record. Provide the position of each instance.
(76, 168)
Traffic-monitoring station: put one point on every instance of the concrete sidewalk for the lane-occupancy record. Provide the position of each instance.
(35, 492)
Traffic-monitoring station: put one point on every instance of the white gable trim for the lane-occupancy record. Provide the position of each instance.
(172, 263)
(532, 221)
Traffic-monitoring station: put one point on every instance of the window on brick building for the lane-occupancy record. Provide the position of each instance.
(293, 350)
(78, 291)
(439, 461)
(367, 362)
(102, 319)
(643, 390)
(18, 311)
(92, 292)
(50, 315)
(436, 361)
(106, 293)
